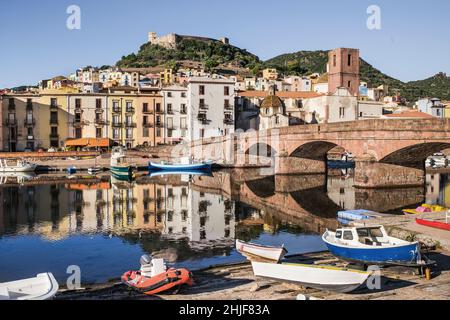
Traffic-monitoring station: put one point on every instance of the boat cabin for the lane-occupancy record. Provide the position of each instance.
(369, 236)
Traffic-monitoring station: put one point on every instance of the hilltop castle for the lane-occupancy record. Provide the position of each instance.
(171, 40)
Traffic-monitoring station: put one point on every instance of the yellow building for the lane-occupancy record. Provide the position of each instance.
(270, 74)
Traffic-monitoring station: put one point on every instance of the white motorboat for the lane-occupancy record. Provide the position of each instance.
(320, 277)
(20, 166)
(256, 250)
(42, 287)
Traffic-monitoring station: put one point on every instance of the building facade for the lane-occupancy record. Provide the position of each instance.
(343, 70)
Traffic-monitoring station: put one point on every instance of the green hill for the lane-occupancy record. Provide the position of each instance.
(215, 55)
(211, 53)
(307, 62)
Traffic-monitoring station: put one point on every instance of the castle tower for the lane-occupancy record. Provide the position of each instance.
(152, 36)
(343, 70)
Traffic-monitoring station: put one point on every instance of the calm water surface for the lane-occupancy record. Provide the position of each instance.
(48, 223)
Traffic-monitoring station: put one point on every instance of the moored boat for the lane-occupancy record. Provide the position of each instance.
(95, 170)
(256, 250)
(435, 224)
(20, 166)
(372, 245)
(425, 208)
(154, 278)
(313, 276)
(206, 166)
(120, 167)
(42, 287)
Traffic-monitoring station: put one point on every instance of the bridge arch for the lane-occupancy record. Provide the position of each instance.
(263, 188)
(315, 150)
(261, 149)
(414, 155)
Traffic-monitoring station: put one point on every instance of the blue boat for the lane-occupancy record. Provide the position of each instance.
(71, 170)
(339, 164)
(372, 245)
(205, 166)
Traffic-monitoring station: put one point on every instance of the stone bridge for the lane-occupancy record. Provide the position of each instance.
(388, 152)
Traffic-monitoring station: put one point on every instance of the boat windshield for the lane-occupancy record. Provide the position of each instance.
(370, 232)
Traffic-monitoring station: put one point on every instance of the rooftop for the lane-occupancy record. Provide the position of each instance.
(281, 94)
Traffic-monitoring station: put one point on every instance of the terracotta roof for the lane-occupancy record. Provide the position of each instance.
(280, 94)
(409, 114)
(271, 102)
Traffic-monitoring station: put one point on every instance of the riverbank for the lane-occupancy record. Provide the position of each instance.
(237, 282)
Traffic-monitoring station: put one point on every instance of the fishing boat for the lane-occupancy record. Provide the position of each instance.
(372, 245)
(255, 250)
(314, 276)
(205, 166)
(435, 224)
(20, 166)
(42, 287)
(425, 208)
(154, 278)
(120, 167)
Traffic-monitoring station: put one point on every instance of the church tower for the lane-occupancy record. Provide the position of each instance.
(343, 70)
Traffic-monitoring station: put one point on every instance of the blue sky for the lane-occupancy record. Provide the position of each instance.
(412, 44)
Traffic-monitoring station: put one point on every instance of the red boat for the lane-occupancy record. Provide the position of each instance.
(170, 279)
(434, 224)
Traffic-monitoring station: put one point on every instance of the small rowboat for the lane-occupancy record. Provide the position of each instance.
(153, 166)
(425, 208)
(313, 276)
(434, 224)
(42, 287)
(371, 245)
(255, 250)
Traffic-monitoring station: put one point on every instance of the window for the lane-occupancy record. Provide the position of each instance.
(277, 120)
(183, 123)
(342, 112)
(54, 117)
(360, 114)
(53, 102)
(169, 108)
(226, 91)
(334, 60)
(348, 235)
(158, 120)
(129, 133)
(116, 134)
(339, 234)
(98, 133)
(169, 94)
(158, 107)
(226, 104)
(78, 133)
(158, 132)
(145, 107)
(170, 123)
(183, 108)
(146, 132)
(183, 94)
(78, 103)
(349, 60)
(54, 131)
(202, 103)
(116, 119)
(202, 90)
(202, 133)
(98, 103)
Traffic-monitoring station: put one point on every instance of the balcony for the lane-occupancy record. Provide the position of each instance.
(203, 107)
(170, 112)
(11, 106)
(30, 138)
(53, 106)
(54, 136)
(117, 110)
(130, 110)
(228, 107)
(78, 123)
(101, 122)
(147, 125)
(130, 124)
(228, 121)
(129, 139)
(54, 122)
(117, 124)
(78, 110)
(99, 110)
(147, 111)
(183, 111)
(29, 107)
(11, 122)
(159, 124)
(29, 122)
(159, 111)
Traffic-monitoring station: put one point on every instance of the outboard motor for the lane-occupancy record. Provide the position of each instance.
(152, 267)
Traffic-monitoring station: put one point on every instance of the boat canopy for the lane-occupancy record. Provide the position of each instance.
(90, 143)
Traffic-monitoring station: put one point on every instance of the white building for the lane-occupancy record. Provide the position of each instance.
(299, 83)
(177, 117)
(210, 107)
(432, 106)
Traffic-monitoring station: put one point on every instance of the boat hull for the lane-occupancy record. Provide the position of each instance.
(269, 253)
(318, 277)
(434, 224)
(42, 287)
(180, 167)
(404, 254)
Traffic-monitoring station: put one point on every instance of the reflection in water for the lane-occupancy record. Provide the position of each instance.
(104, 225)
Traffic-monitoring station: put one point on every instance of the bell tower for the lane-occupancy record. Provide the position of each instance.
(343, 70)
